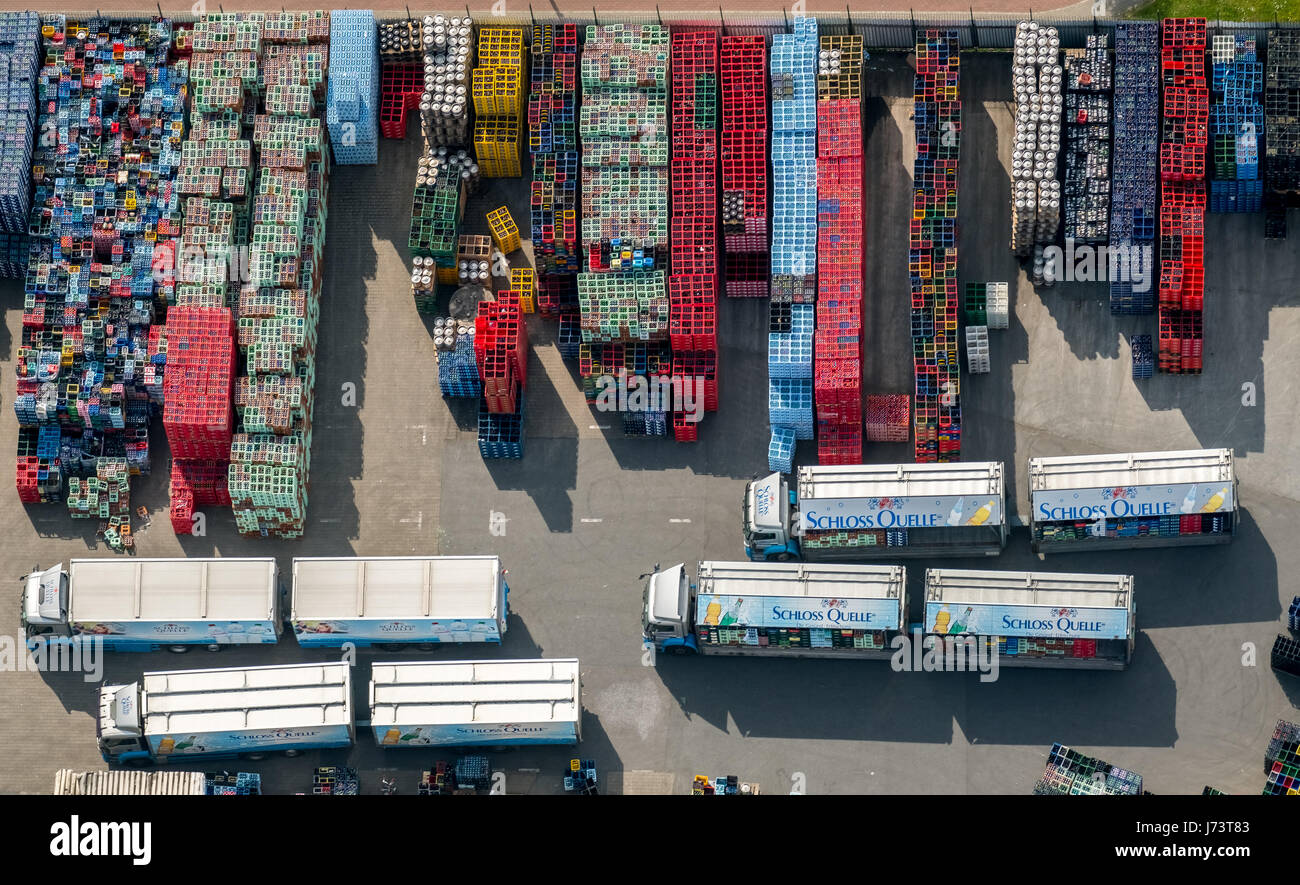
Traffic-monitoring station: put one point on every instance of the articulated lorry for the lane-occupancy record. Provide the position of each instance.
(214, 714)
(149, 604)
(877, 511)
(770, 609)
(399, 601)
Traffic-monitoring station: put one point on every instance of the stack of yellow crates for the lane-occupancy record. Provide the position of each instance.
(499, 97)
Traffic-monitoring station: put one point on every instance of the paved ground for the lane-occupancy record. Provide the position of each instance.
(589, 511)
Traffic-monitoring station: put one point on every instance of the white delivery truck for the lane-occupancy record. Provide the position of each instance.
(1036, 619)
(239, 711)
(476, 703)
(774, 609)
(148, 604)
(877, 511)
(1144, 499)
(68, 782)
(397, 601)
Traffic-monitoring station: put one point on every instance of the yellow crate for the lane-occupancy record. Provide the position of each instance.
(448, 276)
(496, 145)
(505, 234)
(498, 91)
(500, 47)
(524, 282)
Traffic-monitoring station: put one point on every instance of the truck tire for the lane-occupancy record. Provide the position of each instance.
(429, 646)
(139, 762)
(680, 650)
(178, 649)
(293, 754)
(782, 557)
(254, 757)
(395, 646)
(214, 648)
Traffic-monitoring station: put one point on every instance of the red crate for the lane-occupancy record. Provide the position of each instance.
(400, 89)
(684, 429)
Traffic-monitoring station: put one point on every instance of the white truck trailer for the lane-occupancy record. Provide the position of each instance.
(238, 711)
(877, 511)
(68, 782)
(1143, 499)
(773, 609)
(1036, 619)
(396, 601)
(476, 703)
(148, 604)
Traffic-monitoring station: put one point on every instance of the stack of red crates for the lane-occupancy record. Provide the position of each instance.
(889, 418)
(1184, 137)
(837, 340)
(693, 281)
(198, 388)
(743, 66)
(501, 351)
(400, 89)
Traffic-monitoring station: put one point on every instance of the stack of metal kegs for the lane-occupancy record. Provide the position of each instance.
(442, 164)
(401, 42)
(1037, 81)
(448, 59)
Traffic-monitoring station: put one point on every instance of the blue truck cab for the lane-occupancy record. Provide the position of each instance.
(767, 514)
(668, 612)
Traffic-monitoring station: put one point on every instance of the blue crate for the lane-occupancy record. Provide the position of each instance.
(569, 336)
(645, 423)
(790, 404)
(780, 450)
(19, 73)
(1143, 358)
(501, 436)
(352, 95)
(360, 154)
(1293, 615)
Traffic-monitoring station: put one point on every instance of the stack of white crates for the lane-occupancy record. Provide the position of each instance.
(977, 350)
(998, 305)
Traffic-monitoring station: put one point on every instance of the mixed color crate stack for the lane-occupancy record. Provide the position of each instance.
(837, 346)
(622, 296)
(1088, 77)
(1282, 761)
(1070, 773)
(1236, 125)
(932, 255)
(793, 67)
(693, 281)
(743, 71)
(1135, 166)
(1184, 137)
(105, 210)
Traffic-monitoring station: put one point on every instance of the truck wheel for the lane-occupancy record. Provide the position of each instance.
(254, 757)
(782, 557)
(428, 646)
(680, 650)
(395, 646)
(214, 648)
(178, 649)
(139, 762)
(293, 754)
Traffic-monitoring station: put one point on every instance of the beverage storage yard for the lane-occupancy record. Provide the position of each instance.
(582, 509)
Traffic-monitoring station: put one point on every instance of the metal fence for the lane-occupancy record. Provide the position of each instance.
(879, 31)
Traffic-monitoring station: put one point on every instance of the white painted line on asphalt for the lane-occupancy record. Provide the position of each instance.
(424, 432)
(331, 520)
(592, 520)
(531, 770)
(679, 520)
(598, 427)
(419, 520)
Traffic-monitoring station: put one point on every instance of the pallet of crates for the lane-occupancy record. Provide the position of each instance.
(1282, 130)
(1087, 116)
(745, 125)
(1135, 167)
(499, 96)
(501, 348)
(353, 101)
(20, 59)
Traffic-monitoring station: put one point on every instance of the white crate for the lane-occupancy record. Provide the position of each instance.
(998, 306)
(977, 350)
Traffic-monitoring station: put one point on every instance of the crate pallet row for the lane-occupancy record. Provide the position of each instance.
(789, 357)
(1088, 76)
(1282, 761)
(553, 144)
(722, 785)
(1070, 773)
(353, 99)
(498, 94)
(1282, 130)
(279, 306)
(1036, 79)
(104, 210)
(448, 44)
(466, 776)
(1236, 125)
(224, 783)
(1184, 138)
(743, 73)
(332, 780)
(932, 257)
(500, 346)
(837, 368)
(1134, 163)
(20, 62)
(793, 83)
(622, 293)
(693, 283)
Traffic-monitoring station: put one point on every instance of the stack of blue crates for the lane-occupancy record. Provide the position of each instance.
(780, 450)
(794, 233)
(790, 354)
(352, 102)
(1236, 119)
(19, 68)
(458, 370)
(1293, 615)
(501, 435)
(1135, 158)
(1144, 363)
